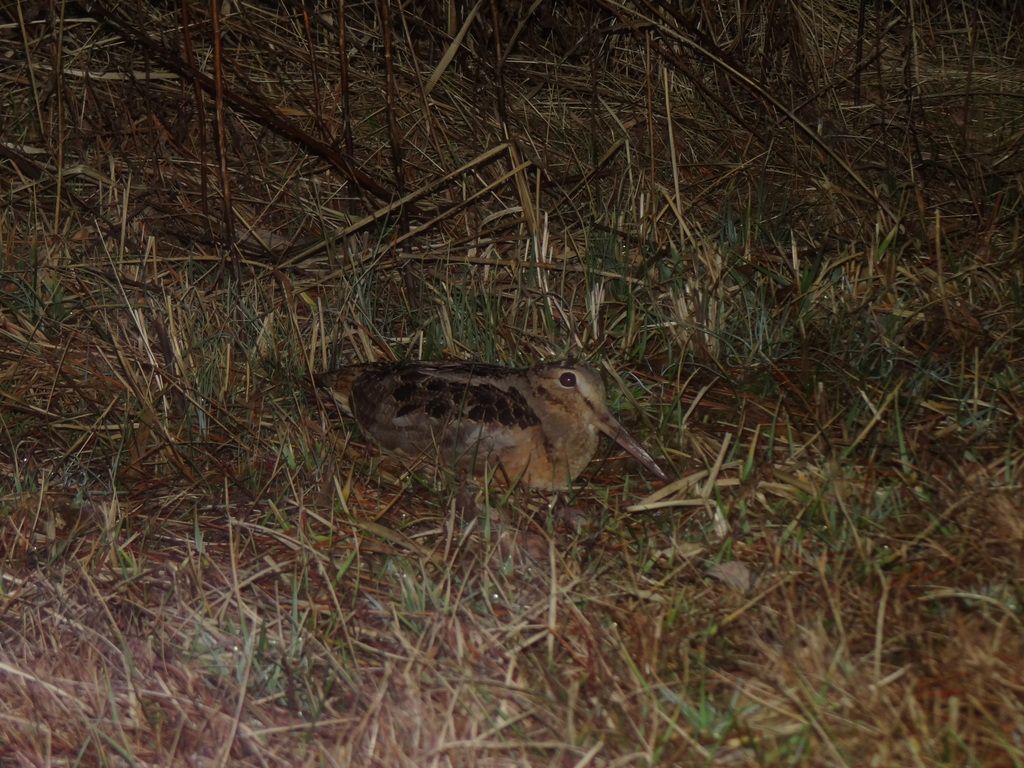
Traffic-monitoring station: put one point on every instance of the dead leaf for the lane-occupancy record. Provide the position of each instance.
(733, 574)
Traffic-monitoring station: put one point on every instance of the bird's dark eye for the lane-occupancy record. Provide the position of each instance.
(567, 380)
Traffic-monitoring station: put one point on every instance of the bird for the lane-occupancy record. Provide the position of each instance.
(537, 426)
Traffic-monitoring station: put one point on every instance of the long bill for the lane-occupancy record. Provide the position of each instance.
(611, 427)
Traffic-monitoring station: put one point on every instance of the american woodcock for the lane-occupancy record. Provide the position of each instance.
(538, 426)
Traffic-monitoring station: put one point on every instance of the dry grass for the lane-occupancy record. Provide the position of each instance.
(794, 236)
